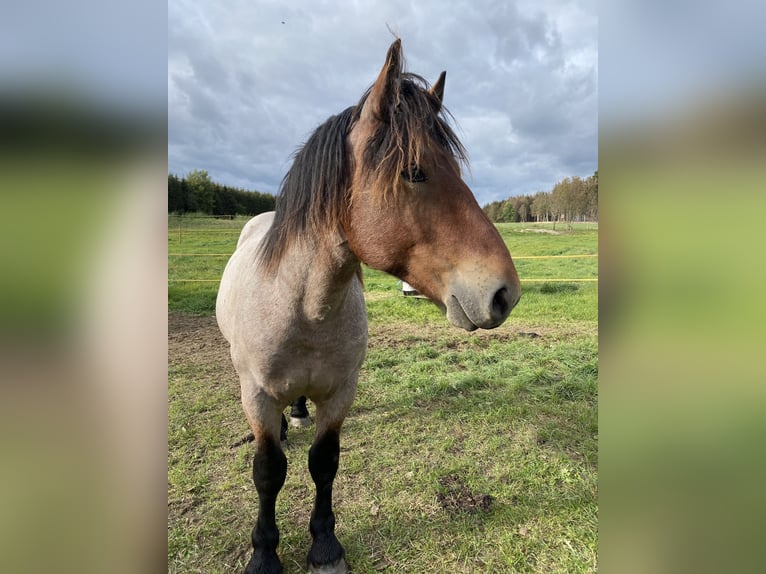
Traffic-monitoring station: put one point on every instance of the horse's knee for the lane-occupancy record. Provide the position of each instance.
(269, 466)
(324, 455)
(269, 473)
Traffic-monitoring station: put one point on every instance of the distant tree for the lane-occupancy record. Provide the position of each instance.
(180, 198)
(197, 192)
(523, 207)
(202, 189)
(541, 206)
(175, 195)
(224, 200)
(515, 201)
(571, 199)
(591, 197)
(564, 200)
(578, 199)
(507, 212)
(492, 210)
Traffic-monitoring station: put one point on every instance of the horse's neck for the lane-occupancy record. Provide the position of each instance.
(329, 269)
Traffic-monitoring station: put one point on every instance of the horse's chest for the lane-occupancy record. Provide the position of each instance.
(314, 361)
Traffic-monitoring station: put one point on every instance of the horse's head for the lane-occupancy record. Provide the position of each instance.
(410, 212)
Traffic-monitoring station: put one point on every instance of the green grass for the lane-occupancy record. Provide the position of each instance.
(188, 237)
(462, 453)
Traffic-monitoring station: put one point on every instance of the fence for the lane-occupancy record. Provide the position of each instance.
(226, 227)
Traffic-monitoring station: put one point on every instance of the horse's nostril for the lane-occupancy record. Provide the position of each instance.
(500, 303)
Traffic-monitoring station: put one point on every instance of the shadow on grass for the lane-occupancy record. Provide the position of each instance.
(551, 288)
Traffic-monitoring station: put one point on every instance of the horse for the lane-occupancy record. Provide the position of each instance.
(380, 184)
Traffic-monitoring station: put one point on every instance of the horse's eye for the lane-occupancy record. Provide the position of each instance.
(414, 174)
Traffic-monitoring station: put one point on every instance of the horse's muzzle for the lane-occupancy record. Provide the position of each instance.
(472, 307)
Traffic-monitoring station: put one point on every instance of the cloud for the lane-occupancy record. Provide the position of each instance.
(249, 81)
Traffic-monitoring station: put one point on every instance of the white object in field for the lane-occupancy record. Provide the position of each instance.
(408, 289)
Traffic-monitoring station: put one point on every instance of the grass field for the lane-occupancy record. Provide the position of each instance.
(463, 452)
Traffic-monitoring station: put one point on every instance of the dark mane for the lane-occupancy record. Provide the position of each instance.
(312, 195)
(315, 192)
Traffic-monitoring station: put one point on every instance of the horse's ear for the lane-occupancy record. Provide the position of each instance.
(384, 89)
(437, 90)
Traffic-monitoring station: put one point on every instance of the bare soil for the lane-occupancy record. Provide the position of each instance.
(455, 496)
(196, 339)
(548, 231)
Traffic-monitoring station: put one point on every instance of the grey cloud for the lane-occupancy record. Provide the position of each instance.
(244, 90)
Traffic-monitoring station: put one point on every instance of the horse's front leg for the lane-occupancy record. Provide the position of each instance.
(269, 472)
(326, 555)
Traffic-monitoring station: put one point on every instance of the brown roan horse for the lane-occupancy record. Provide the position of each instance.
(380, 184)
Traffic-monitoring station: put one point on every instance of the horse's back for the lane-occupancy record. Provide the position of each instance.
(249, 239)
(256, 227)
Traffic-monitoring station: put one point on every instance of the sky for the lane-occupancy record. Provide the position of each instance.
(249, 81)
(659, 59)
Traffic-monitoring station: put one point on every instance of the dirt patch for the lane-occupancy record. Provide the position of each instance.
(397, 335)
(548, 231)
(455, 496)
(196, 339)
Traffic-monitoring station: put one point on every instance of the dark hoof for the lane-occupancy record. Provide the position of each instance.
(300, 422)
(264, 563)
(339, 567)
(327, 556)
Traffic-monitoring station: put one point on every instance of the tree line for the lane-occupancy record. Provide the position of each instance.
(198, 193)
(571, 199)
